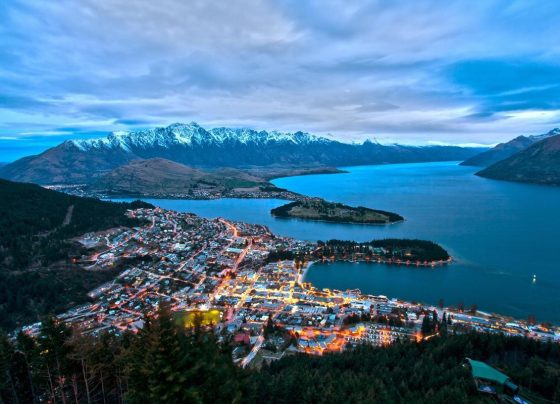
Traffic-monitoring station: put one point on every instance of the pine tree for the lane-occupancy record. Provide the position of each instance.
(54, 352)
(8, 391)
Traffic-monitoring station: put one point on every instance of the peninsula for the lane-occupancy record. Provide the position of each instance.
(318, 209)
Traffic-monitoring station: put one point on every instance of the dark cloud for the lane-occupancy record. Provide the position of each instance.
(405, 71)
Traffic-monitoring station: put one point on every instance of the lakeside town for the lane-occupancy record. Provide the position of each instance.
(264, 192)
(249, 285)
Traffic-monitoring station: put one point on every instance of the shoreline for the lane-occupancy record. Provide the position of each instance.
(335, 222)
(305, 270)
(389, 262)
(301, 279)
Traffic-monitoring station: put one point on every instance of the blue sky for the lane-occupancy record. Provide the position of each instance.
(416, 72)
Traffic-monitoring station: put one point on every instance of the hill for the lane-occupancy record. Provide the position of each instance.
(539, 164)
(508, 149)
(84, 161)
(35, 227)
(159, 176)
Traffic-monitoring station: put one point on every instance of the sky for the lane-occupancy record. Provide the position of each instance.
(412, 72)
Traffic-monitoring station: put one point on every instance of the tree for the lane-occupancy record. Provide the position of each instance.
(171, 364)
(54, 349)
(426, 325)
(7, 383)
(269, 327)
(443, 325)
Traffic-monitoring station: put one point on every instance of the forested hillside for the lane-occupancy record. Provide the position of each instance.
(538, 164)
(35, 227)
(167, 363)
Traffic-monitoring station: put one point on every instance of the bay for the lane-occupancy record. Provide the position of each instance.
(500, 234)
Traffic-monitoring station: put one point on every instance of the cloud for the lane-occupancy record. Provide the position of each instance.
(409, 72)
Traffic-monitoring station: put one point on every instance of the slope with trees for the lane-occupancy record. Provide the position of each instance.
(168, 363)
(36, 227)
(539, 164)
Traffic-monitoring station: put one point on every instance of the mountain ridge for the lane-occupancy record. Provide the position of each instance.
(507, 149)
(161, 176)
(538, 164)
(84, 161)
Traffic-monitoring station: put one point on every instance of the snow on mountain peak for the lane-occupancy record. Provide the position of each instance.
(193, 133)
(553, 132)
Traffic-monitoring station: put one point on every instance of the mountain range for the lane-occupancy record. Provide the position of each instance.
(85, 161)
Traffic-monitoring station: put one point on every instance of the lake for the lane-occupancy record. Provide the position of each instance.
(500, 234)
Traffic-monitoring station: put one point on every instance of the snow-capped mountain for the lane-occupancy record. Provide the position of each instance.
(193, 134)
(538, 138)
(81, 161)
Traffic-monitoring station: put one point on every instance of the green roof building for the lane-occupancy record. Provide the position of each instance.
(487, 374)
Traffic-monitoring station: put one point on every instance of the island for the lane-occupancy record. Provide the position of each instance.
(321, 210)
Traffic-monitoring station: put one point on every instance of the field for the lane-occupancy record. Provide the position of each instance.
(187, 319)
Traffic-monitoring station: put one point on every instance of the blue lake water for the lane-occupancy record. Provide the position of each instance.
(500, 234)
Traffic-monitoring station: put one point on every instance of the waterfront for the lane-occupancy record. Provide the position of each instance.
(499, 233)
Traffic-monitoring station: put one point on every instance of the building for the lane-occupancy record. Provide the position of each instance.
(489, 380)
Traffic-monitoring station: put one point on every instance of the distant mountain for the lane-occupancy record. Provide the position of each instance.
(65, 164)
(508, 149)
(83, 161)
(539, 163)
(161, 176)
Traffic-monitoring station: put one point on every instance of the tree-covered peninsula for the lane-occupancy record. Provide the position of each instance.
(395, 250)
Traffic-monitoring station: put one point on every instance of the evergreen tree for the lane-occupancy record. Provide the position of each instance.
(54, 351)
(8, 391)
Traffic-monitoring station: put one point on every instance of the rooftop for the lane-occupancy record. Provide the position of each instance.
(481, 370)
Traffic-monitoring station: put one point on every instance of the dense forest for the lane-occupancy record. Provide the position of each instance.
(35, 227)
(404, 249)
(392, 249)
(430, 371)
(167, 363)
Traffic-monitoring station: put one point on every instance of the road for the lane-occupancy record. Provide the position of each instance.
(246, 360)
(68, 217)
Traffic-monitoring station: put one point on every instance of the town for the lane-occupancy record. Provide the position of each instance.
(248, 284)
(262, 192)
